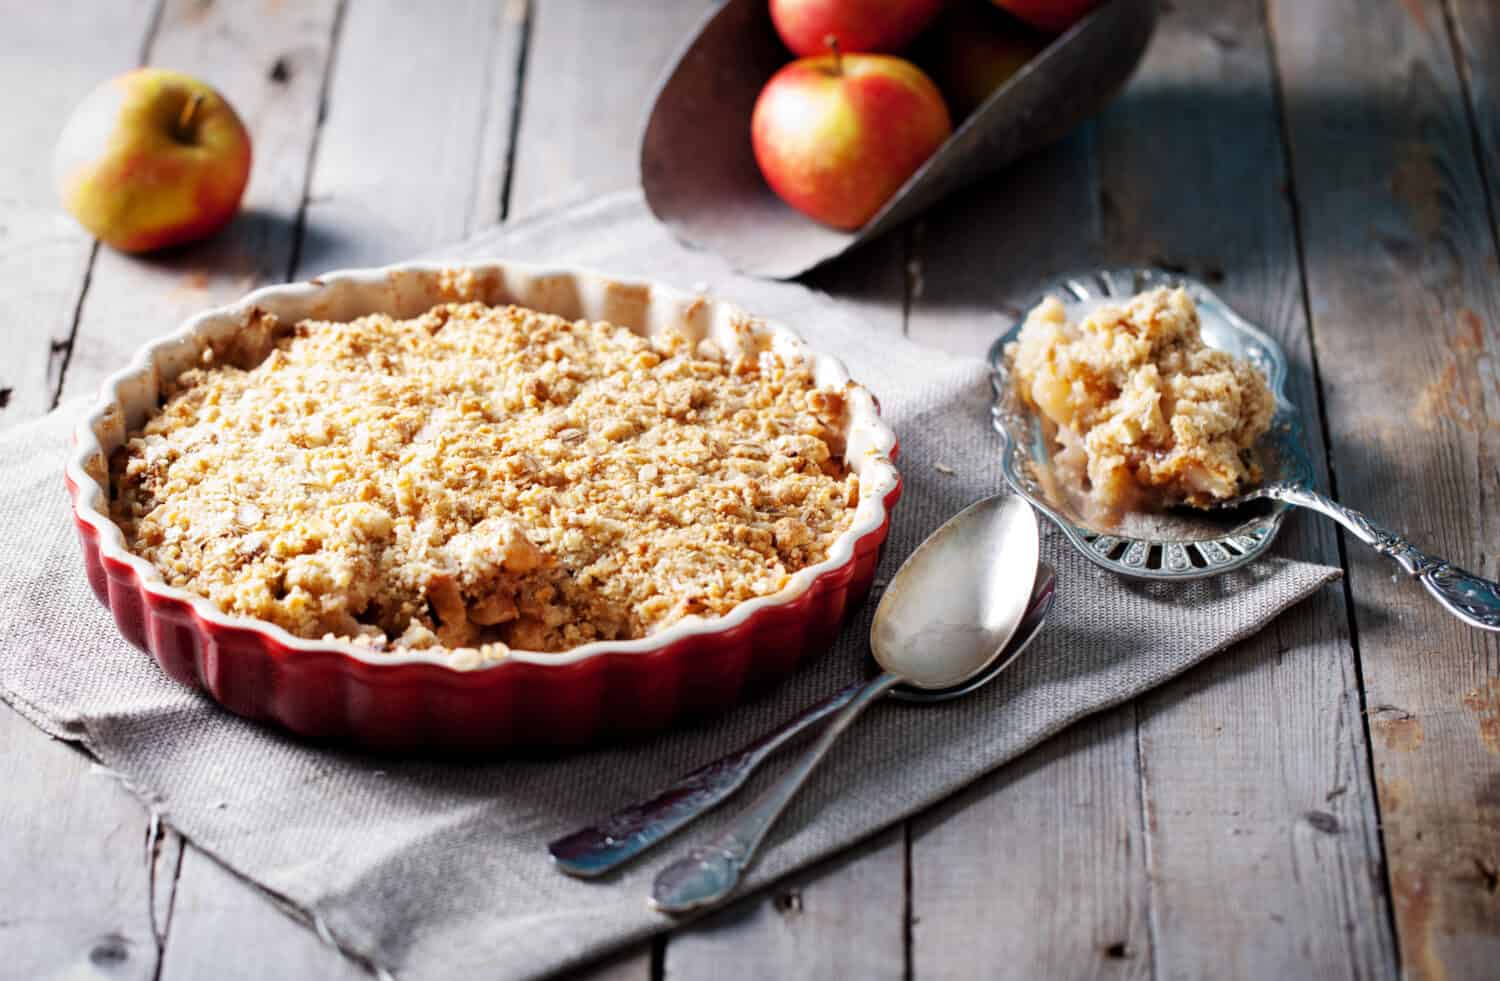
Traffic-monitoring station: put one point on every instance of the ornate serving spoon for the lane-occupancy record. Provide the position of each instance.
(1190, 544)
(1473, 599)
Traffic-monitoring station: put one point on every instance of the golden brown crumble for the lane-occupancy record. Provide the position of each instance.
(1146, 415)
(484, 478)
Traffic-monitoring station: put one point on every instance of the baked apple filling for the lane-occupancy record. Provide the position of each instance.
(1145, 415)
(484, 478)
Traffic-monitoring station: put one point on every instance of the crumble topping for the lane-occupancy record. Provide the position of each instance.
(481, 478)
(1146, 415)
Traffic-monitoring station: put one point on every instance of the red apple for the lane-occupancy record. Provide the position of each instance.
(152, 158)
(971, 50)
(859, 25)
(837, 135)
(1055, 16)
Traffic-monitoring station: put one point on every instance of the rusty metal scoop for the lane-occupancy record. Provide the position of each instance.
(699, 172)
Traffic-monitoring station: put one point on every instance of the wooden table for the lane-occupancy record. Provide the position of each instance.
(1323, 801)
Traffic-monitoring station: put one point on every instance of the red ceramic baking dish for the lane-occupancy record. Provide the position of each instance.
(433, 700)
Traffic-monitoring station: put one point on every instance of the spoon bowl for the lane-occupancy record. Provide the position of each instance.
(1043, 595)
(955, 602)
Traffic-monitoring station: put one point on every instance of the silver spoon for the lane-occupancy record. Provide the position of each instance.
(948, 614)
(1473, 599)
(612, 841)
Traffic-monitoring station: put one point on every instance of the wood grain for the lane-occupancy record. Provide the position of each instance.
(841, 919)
(271, 65)
(1047, 854)
(44, 254)
(1261, 828)
(1405, 303)
(414, 150)
(1222, 826)
(1476, 30)
(80, 878)
(591, 70)
(212, 910)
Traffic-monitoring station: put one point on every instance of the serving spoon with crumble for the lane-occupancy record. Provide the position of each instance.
(1187, 543)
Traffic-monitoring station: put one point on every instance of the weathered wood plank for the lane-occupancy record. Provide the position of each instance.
(414, 150)
(81, 883)
(1145, 179)
(591, 70)
(44, 254)
(1261, 827)
(77, 896)
(212, 911)
(1037, 871)
(842, 919)
(1476, 28)
(975, 256)
(1405, 305)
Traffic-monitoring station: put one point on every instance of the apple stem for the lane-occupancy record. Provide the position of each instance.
(832, 41)
(185, 118)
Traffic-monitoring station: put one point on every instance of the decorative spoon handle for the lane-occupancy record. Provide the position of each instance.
(615, 840)
(710, 872)
(1471, 598)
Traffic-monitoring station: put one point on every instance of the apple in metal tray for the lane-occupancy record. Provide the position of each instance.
(836, 135)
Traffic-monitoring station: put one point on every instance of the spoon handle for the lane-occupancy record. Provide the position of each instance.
(1471, 598)
(612, 841)
(710, 872)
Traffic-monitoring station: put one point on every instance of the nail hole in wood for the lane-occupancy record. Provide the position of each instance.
(110, 951)
(1323, 821)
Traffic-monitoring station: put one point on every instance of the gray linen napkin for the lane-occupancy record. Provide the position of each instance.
(430, 870)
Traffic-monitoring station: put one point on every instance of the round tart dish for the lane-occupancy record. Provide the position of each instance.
(410, 699)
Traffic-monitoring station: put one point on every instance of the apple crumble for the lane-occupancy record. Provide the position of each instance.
(484, 478)
(1145, 414)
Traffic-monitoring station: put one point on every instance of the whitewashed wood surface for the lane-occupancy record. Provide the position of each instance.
(1323, 801)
